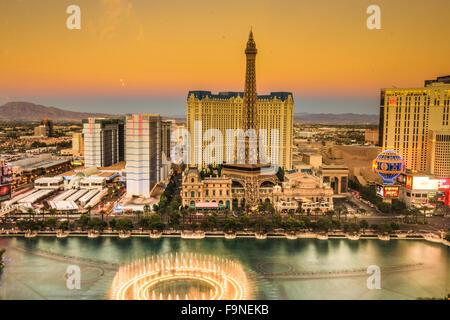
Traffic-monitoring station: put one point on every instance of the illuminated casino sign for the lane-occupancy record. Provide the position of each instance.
(426, 183)
(443, 184)
(387, 191)
(392, 101)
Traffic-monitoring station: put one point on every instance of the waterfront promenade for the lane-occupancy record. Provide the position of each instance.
(187, 234)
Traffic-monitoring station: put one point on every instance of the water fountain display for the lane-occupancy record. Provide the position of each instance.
(185, 276)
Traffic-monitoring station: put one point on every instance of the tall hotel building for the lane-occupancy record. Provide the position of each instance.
(103, 141)
(224, 111)
(415, 123)
(147, 139)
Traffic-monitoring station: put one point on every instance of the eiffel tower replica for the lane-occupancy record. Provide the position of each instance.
(251, 173)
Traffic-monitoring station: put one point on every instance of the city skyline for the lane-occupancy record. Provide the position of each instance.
(129, 54)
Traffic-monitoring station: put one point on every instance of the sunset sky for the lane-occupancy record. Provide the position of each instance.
(145, 55)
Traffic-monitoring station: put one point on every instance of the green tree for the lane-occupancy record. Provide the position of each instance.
(194, 226)
(155, 223)
(351, 227)
(50, 223)
(212, 221)
(230, 224)
(335, 223)
(124, 224)
(113, 224)
(89, 208)
(83, 221)
(64, 225)
(364, 225)
(383, 228)
(323, 224)
(316, 211)
(31, 212)
(277, 220)
(262, 224)
(245, 221)
(97, 224)
(266, 208)
(204, 225)
(292, 224)
(28, 225)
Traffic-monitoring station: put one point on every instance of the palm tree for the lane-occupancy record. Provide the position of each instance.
(345, 211)
(415, 213)
(146, 209)
(423, 210)
(316, 211)
(330, 214)
(31, 212)
(102, 213)
(339, 211)
(89, 208)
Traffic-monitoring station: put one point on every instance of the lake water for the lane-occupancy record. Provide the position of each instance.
(35, 268)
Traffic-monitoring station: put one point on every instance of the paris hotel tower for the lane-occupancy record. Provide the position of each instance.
(243, 110)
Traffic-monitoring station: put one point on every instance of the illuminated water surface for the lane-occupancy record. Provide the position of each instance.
(276, 268)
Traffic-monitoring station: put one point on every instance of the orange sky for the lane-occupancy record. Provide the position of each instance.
(165, 48)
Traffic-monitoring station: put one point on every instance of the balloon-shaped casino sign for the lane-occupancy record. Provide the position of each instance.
(389, 165)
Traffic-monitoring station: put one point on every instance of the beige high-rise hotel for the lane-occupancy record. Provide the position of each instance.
(224, 110)
(415, 123)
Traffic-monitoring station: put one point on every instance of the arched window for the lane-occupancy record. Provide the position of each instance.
(192, 194)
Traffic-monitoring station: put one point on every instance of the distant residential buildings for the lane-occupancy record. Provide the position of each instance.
(78, 143)
(371, 136)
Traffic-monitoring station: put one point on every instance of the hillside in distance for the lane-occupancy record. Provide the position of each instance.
(332, 118)
(27, 111)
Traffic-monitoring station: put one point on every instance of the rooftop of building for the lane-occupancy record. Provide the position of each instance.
(30, 164)
(48, 179)
(439, 81)
(105, 121)
(199, 94)
(115, 167)
(443, 79)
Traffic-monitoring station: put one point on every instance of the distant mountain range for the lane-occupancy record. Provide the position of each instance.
(27, 111)
(333, 118)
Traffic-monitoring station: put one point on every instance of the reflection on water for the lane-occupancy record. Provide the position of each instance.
(296, 267)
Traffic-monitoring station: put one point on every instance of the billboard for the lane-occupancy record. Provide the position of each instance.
(387, 191)
(408, 182)
(5, 192)
(5, 181)
(426, 183)
(380, 190)
(443, 184)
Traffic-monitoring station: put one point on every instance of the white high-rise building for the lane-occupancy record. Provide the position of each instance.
(103, 141)
(147, 138)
